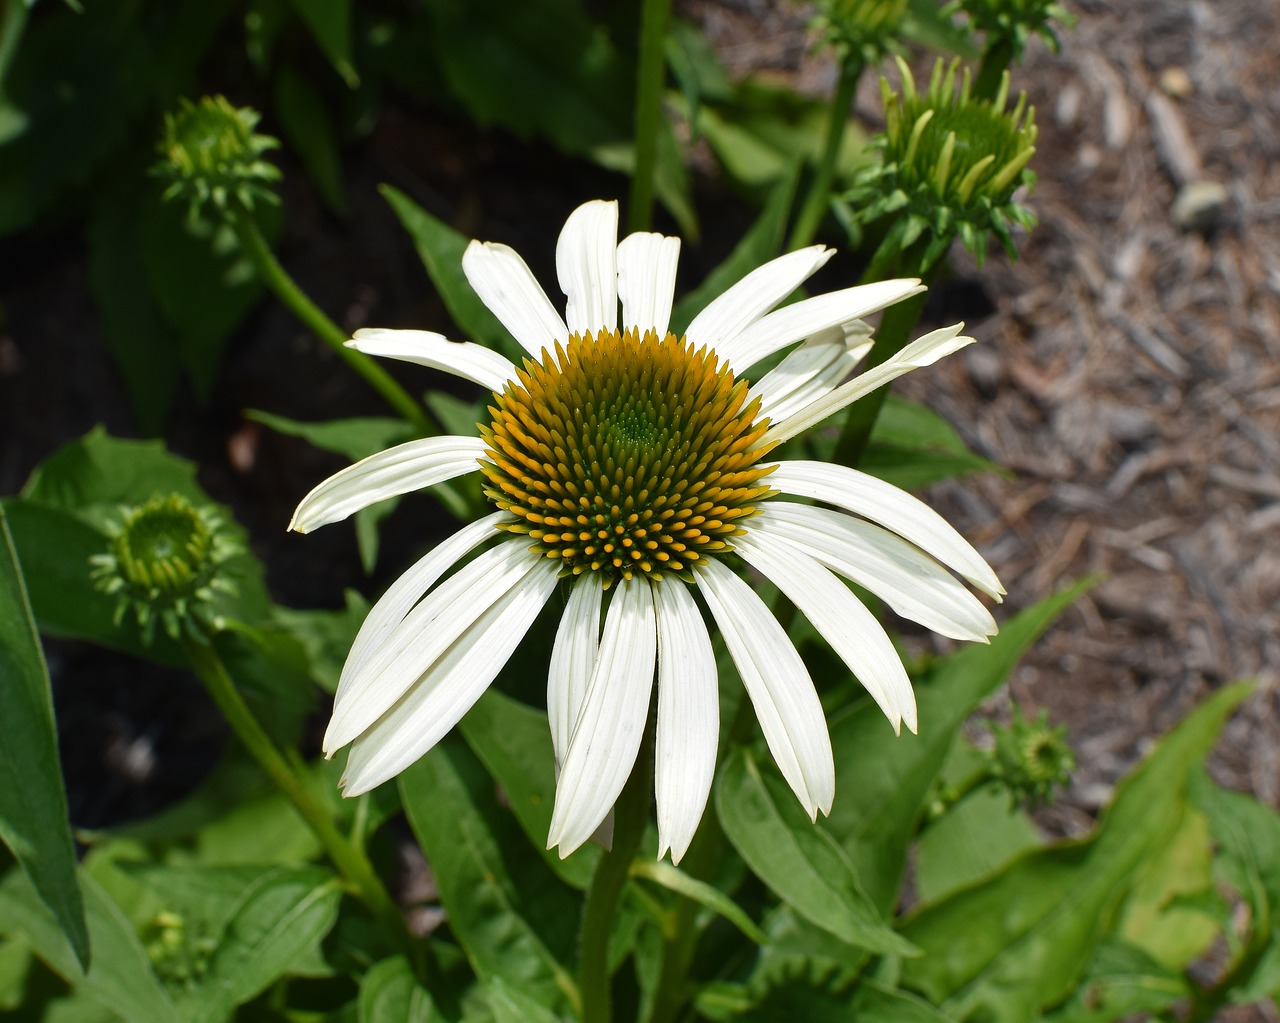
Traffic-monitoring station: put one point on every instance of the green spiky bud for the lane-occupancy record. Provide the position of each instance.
(165, 563)
(1012, 23)
(950, 163)
(864, 30)
(1031, 759)
(211, 154)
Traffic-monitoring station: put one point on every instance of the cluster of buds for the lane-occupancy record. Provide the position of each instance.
(179, 957)
(164, 564)
(862, 30)
(1009, 24)
(950, 165)
(211, 154)
(1030, 759)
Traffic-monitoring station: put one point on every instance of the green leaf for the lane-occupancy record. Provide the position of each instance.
(796, 858)
(308, 127)
(440, 248)
(975, 837)
(497, 1001)
(491, 893)
(513, 741)
(676, 880)
(389, 993)
(911, 446)
(1045, 915)
(1122, 982)
(278, 918)
(887, 777)
(760, 244)
(325, 636)
(33, 801)
(352, 438)
(119, 978)
(330, 24)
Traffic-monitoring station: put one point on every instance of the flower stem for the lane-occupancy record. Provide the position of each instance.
(631, 814)
(350, 860)
(278, 280)
(815, 203)
(649, 78)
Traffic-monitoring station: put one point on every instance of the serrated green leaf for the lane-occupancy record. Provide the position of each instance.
(491, 894)
(33, 800)
(119, 977)
(796, 858)
(389, 993)
(889, 776)
(1044, 916)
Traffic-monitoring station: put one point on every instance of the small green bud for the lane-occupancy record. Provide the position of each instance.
(865, 30)
(178, 953)
(950, 164)
(1031, 759)
(164, 562)
(210, 153)
(1011, 23)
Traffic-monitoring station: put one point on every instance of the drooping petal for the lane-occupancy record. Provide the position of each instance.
(406, 591)
(426, 632)
(507, 286)
(778, 684)
(647, 280)
(911, 583)
(607, 735)
(450, 687)
(786, 326)
(895, 509)
(840, 617)
(425, 348)
(573, 658)
(923, 351)
(811, 370)
(688, 717)
(398, 470)
(586, 263)
(728, 315)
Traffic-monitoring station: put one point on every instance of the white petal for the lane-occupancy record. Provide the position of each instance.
(811, 370)
(647, 280)
(398, 470)
(572, 660)
(911, 583)
(791, 323)
(609, 729)
(924, 351)
(895, 509)
(461, 358)
(406, 591)
(586, 265)
(449, 689)
(778, 684)
(507, 286)
(839, 616)
(688, 717)
(736, 309)
(424, 635)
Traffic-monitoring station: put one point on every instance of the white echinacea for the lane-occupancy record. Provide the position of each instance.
(630, 461)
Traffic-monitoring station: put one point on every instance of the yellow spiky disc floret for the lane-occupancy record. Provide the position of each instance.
(626, 454)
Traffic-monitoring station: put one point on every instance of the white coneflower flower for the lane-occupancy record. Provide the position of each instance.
(630, 461)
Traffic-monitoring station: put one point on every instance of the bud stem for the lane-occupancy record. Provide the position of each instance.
(816, 200)
(649, 76)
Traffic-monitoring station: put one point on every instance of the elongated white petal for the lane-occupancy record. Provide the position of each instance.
(406, 591)
(810, 371)
(398, 470)
(911, 583)
(573, 658)
(450, 687)
(791, 323)
(424, 635)
(735, 310)
(924, 351)
(841, 619)
(895, 509)
(507, 286)
(425, 348)
(609, 729)
(688, 717)
(647, 280)
(586, 255)
(778, 684)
